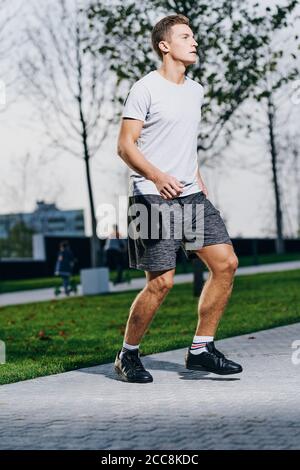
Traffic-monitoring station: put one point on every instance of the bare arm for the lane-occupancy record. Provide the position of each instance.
(201, 183)
(167, 185)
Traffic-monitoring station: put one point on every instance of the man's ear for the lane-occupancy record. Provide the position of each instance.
(164, 47)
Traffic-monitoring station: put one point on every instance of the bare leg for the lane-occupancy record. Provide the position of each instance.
(147, 303)
(222, 263)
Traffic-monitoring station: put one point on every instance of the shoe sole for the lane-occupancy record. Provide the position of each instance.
(204, 369)
(125, 379)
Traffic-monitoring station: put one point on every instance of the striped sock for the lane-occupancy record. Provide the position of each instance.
(199, 344)
(127, 347)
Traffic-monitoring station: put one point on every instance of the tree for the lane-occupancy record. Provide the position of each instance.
(231, 46)
(273, 93)
(32, 180)
(291, 176)
(9, 13)
(18, 244)
(233, 38)
(68, 87)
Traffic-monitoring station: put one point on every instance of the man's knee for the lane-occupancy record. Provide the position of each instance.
(230, 265)
(162, 282)
(227, 266)
(233, 262)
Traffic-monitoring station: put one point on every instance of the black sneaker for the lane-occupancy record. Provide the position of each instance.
(211, 361)
(130, 367)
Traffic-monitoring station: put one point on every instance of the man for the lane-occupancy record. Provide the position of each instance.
(64, 265)
(162, 113)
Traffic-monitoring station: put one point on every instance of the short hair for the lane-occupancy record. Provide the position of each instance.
(162, 30)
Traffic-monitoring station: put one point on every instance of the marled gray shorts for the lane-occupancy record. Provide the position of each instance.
(153, 242)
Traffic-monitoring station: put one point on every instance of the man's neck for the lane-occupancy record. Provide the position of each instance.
(176, 75)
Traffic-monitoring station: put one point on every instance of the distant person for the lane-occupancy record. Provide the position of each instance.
(115, 249)
(64, 265)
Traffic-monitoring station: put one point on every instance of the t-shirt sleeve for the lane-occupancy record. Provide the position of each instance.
(137, 102)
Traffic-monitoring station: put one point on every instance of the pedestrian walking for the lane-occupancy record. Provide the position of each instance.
(64, 265)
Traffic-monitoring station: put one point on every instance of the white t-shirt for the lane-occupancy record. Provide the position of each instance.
(171, 115)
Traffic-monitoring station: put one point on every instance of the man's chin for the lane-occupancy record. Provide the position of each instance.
(190, 62)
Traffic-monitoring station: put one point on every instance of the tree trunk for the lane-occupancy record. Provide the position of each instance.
(96, 252)
(279, 242)
(297, 183)
(96, 249)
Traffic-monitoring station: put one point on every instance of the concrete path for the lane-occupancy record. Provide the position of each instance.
(39, 295)
(92, 409)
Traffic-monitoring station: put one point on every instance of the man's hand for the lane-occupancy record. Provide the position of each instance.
(167, 185)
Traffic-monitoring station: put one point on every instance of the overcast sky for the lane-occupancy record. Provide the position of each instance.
(244, 196)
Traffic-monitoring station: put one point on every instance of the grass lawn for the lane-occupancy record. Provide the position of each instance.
(29, 284)
(51, 337)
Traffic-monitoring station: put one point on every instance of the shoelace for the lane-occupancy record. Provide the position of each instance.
(136, 361)
(218, 353)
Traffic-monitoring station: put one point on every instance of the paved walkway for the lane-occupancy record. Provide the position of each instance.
(92, 409)
(39, 295)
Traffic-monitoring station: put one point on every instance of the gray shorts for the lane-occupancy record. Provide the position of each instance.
(158, 228)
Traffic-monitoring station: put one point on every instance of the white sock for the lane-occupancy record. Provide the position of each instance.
(199, 344)
(127, 347)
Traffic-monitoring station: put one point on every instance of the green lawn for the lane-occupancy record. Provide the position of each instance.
(51, 337)
(29, 284)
